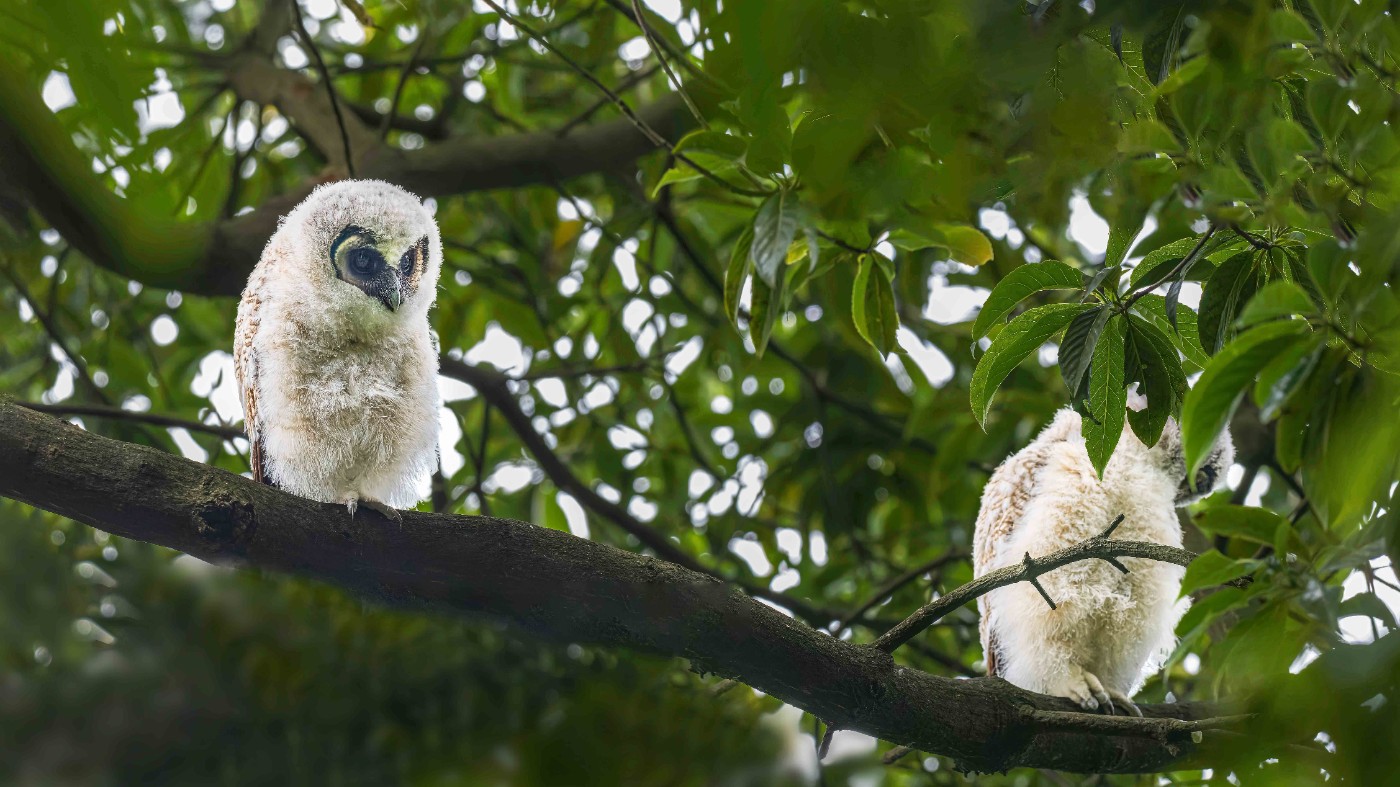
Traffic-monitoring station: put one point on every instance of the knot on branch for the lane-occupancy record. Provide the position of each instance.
(227, 521)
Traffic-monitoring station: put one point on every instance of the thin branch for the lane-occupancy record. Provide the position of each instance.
(330, 85)
(650, 133)
(631, 81)
(1098, 547)
(119, 414)
(1182, 266)
(494, 389)
(388, 121)
(55, 335)
(892, 586)
(671, 75)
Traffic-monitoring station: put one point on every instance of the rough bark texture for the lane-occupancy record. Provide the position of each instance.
(565, 588)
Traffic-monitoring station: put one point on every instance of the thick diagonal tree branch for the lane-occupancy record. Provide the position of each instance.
(494, 388)
(214, 258)
(570, 589)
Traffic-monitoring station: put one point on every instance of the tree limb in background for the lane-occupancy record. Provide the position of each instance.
(215, 258)
(570, 589)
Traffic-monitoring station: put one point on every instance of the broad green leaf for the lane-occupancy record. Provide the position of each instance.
(1276, 299)
(1153, 362)
(966, 244)
(1154, 265)
(767, 305)
(714, 143)
(1077, 346)
(1257, 525)
(1121, 235)
(1021, 337)
(1350, 455)
(774, 228)
(1183, 336)
(872, 305)
(1108, 397)
(1209, 405)
(1206, 610)
(1227, 290)
(736, 273)
(1285, 374)
(1020, 284)
(1212, 568)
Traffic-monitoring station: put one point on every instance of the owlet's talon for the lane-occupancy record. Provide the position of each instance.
(383, 509)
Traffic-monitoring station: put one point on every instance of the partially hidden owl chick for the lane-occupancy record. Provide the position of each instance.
(333, 353)
(1109, 630)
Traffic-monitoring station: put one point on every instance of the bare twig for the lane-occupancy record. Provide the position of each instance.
(671, 75)
(1099, 547)
(46, 319)
(1185, 264)
(388, 120)
(893, 586)
(119, 414)
(330, 86)
(650, 133)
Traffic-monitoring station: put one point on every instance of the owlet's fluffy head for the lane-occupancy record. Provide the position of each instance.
(366, 250)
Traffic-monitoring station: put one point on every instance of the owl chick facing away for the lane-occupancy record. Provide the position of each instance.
(1109, 630)
(333, 353)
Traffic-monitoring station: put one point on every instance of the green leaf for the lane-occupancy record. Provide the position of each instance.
(714, 150)
(966, 244)
(1108, 397)
(1276, 299)
(736, 273)
(1285, 374)
(714, 143)
(1121, 235)
(872, 305)
(773, 230)
(767, 305)
(1021, 337)
(1227, 290)
(1153, 361)
(1206, 610)
(1154, 265)
(1020, 284)
(1211, 568)
(1257, 525)
(1077, 347)
(1209, 405)
(1152, 307)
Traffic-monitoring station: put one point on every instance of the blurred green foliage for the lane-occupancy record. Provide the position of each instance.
(762, 344)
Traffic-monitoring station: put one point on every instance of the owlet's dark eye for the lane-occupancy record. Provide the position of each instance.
(364, 261)
(412, 259)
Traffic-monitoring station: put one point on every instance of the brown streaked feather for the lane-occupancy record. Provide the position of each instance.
(245, 368)
(1004, 501)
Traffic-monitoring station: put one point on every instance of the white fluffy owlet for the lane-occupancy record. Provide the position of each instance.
(1109, 630)
(335, 361)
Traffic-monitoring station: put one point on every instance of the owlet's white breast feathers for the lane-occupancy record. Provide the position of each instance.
(1109, 630)
(333, 353)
